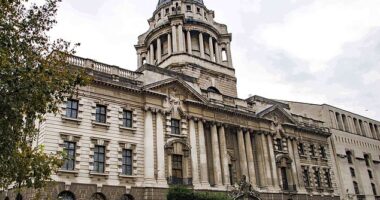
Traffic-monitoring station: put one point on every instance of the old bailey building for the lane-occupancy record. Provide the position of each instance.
(178, 120)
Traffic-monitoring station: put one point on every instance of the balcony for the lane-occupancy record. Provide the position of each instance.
(180, 181)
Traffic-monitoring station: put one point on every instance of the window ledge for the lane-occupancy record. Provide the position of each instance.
(175, 135)
(68, 171)
(106, 125)
(78, 120)
(127, 128)
(98, 174)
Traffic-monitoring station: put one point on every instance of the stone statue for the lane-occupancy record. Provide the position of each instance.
(244, 191)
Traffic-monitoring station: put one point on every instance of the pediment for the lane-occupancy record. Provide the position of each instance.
(176, 88)
(277, 114)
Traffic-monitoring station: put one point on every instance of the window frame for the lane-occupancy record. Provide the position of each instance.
(97, 162)
(352, 172)
(71, 110)
(306, 177)
(175, 126)
(127, 119)
(68, 150)
(301, 149)
(356, 187)
(323, 152)
(101, 117)
(312, 150)
(317, 177)
(177, 165)
(328, 178)
(127, 168)
(279, 144)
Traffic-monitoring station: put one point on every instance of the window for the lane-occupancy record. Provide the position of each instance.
(231, 175)
(370, 174)
(367, 160)
(224, 55)
(323, 152)
(349, 157)
(98, 196)
(159, 15)
(101, 114)
(328, 178)
(301, 149)
(306, 177)
(99, 159)
(127, 118)
(69, 150)
(312, 150)
(177, 166)
(198, 10)
(374, 189)
(356, 187)
(317, 177)
(127, 162)
(66, 195)
(284, 176)
(188, 8)
(279, 144)
(167, 11)
(175, 127)
(127, 197)
(72, 108)
(352, 171)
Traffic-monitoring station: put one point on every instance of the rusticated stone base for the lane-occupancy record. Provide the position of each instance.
(85, 191)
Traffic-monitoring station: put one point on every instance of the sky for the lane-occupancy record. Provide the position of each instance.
(315, 51)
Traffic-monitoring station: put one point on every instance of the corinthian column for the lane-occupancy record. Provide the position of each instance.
(294, 171)
(180, 38)
(201, 45)
(203, 155)
(159, 50)
(251, 164)
(149, 180)
(160, 151)
(224, 156)
(266, 157)
(151, 53)
(194, 154)
(174, 37)
(216, 156)
(190, 50)
(211, 48)
(169, 44)
(242, 154)
(272, 160)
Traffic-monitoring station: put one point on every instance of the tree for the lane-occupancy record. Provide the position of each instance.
(35, 78)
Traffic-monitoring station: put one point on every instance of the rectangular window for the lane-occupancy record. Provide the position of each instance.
(127, 162)
(279, 144)
(127, 118)
(349, 157)
(352, 171)
(101, 114)
(356, 188)
(72, 108)
(306, 177)
(177, 166)
(69, 150)
(367, 160)
(370, 174)
(374, 189)
(328, 178)
(323, 152)
(175, 127)
(188, 8)
(317, 177)
(312, 150)
(301, 149)
(99, 159)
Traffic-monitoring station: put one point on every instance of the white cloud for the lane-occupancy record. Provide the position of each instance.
(317, 32)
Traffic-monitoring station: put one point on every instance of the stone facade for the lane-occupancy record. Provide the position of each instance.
(177, 120)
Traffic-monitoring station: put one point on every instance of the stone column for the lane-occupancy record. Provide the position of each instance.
(261, 160)
(297, 161)
(174, 37)
(224, 156)
(203, 155)
(149, 179)
(294, 170)
(139, 60)
(201, 45)
(190, 50)
(229, 54)
(159, 50)
(180, 38)
(161, 179)
(151, 53)
(169, 44)
(194, 154)
(217, 53)
(251, 163)
(242, 154)
(268, 175)
(272, 160)
(216, 156)
(148, 57)
(211, 48)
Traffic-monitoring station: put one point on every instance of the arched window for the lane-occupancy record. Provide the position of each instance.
(127, 197)
(213, 90)
(98, 196)
(66, 195)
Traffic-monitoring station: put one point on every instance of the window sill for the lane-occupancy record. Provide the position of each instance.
(77, 120)
(106, 125)
(178, 136)
(68, 171)
(98, 174)
(127, 128)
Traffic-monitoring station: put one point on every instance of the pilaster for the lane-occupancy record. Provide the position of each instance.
(161, 180)
(242, 154)
(203, 155)
(251, 164)
(224, 156)
(216, 156)
(149, 180)
(194, 155)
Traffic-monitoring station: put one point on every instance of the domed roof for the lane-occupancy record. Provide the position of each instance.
(161, 2)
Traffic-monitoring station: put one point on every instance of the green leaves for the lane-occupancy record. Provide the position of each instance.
(34, 80)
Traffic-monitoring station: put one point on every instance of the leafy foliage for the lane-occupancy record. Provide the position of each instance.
(34, 80)
(182, 193)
